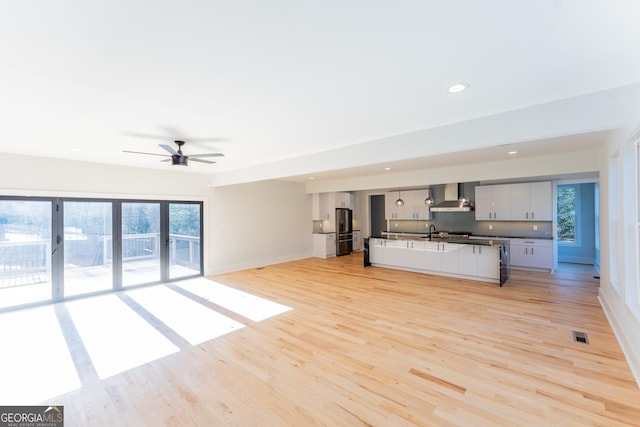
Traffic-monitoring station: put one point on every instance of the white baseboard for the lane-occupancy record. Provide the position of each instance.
(633, 357)
(228, 268)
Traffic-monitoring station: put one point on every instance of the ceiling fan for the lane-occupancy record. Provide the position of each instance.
(177, 157)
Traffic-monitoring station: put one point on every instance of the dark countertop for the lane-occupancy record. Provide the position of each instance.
(513, 237)
(479, 242)
(324, 232)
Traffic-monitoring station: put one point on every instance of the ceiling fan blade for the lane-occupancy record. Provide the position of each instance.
(201, 161)
(191, 156)
(169, 149)
(141, 152)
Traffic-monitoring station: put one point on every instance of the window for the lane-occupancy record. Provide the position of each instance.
(615, 262)
(568, 214)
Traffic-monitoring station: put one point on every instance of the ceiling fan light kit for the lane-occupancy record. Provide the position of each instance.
(178, 160)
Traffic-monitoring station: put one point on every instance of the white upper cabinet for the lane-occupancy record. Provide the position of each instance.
(493, 202)
(541, 201)
(413, 208)
(343, 200)
(323, 207)
(420, 210)
(520, 209)
(391, 211)
(531, 201)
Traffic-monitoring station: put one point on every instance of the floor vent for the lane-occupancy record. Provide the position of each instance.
(580, 337)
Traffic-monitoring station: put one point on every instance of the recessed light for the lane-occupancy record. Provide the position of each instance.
(312, 177)
(387, 168)
(513, 152)
(458, 87)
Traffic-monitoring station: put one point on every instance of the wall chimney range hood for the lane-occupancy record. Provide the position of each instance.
(454, 200)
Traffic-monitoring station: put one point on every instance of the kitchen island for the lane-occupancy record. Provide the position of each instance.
(484, 260)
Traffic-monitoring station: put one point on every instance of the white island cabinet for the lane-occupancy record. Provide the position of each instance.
(475, 262)
(482, 261)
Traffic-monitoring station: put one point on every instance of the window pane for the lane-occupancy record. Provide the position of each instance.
(25, 252)
(184, 239)
(566, 214)
(140, 243)
(88, 263)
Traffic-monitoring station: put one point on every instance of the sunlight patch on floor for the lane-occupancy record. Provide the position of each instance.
(247, 305)
(35, 363)
(193, 321)
(115, 336)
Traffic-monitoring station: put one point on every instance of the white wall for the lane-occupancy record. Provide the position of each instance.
(258, 224)
(245, 225)
(617, 300)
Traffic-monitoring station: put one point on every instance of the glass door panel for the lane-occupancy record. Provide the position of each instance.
(140, 243)
(184, 239)
(88, 242)
(25, 252)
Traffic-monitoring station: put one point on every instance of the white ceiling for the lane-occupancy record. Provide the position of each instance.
(290, 79)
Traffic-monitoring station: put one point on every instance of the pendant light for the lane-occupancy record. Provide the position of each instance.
(399, 202)
(429, 201)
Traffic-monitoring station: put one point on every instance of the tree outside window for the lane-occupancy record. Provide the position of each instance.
(567, 200)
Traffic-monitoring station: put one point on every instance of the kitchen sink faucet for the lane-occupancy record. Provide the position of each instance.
(431, 230)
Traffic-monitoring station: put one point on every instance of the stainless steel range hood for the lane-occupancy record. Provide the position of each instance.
(454, 200)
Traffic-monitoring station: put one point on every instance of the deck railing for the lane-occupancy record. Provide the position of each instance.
(29, 262)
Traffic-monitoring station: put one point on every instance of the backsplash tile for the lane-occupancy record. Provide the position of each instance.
(465, 222)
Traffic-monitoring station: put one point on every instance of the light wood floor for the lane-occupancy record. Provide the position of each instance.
(378, 347)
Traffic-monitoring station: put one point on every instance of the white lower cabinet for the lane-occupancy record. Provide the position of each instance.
(324, 245)
(357, 241)
(480, 261)
(531, 253)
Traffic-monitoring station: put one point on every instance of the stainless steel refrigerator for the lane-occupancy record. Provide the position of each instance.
(344, 231)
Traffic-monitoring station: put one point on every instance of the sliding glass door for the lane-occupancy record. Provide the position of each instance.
(54, 248)
(141, 243)
(88, 241)
(25, 251)
(184, 239)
